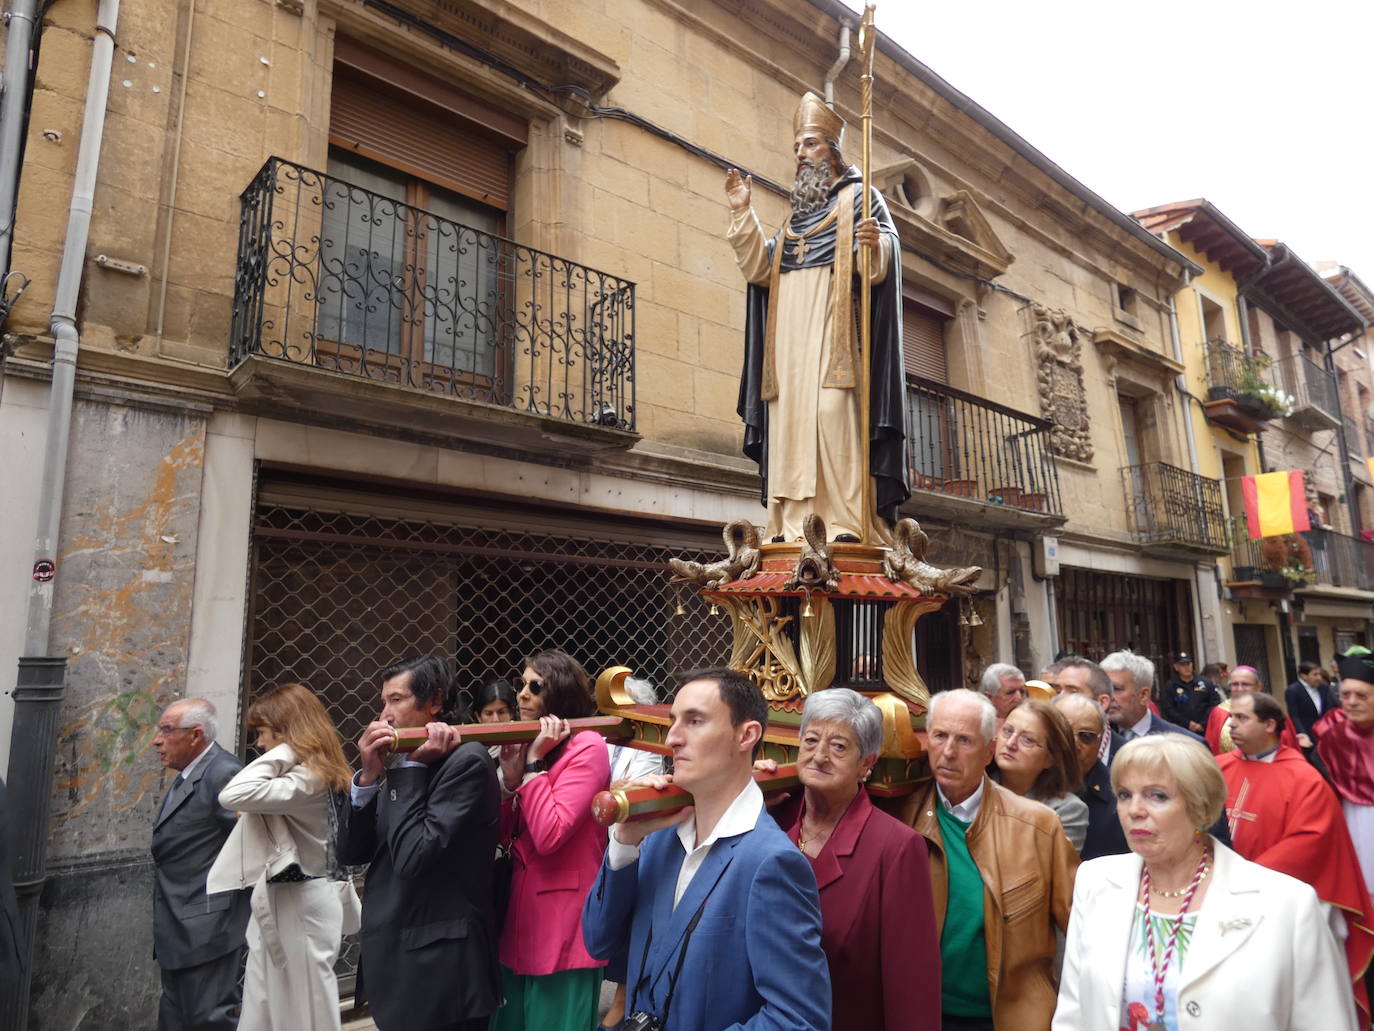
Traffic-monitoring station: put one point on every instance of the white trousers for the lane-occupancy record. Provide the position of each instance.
(293, 943)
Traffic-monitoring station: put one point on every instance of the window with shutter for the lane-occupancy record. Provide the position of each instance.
(414, 210)
(923, 342)
(928, 430)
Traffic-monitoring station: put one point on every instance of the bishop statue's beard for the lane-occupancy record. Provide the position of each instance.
(811, 190)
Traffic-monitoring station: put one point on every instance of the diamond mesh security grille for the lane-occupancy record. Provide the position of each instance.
(337, 597)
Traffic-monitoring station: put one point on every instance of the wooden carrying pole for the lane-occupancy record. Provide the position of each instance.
(407, 739)
(866, 42)
(626, 805)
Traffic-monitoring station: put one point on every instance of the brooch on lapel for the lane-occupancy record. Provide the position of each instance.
(1238, 924)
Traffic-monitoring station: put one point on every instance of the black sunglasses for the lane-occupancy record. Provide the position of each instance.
(536, 687)
(1089, 737)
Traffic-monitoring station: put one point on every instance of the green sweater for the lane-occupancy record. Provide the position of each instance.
(963, 950)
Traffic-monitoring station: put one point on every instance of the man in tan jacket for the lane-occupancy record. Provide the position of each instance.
(1002, 872)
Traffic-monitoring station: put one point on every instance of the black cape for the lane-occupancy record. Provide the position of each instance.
(887, 385)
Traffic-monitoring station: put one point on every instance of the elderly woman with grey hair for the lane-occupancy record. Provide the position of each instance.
(877, 913)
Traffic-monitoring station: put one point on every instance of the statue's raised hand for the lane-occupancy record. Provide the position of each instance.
(738, 189)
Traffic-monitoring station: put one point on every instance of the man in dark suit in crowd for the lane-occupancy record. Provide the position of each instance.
(1128, 709)
(1309, 698)
(198, 940)
(428, 824)
(1089, 724)
(11, 953)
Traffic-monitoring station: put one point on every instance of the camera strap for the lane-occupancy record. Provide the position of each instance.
(681, 952)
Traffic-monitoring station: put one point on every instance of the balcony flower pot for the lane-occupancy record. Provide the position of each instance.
(1005, 495)
(1245, 574)
(1033, 501)
(961, 488)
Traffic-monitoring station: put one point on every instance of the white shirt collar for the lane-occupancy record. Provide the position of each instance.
(967, 810)
(1143, 727)
(741, 816)
(186, 772)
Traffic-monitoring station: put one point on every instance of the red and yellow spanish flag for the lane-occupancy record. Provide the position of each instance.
(1275, 503)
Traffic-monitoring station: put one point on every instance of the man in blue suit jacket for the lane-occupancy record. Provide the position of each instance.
(724, 934)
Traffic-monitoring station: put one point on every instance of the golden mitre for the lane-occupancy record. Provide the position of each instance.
(815, 114)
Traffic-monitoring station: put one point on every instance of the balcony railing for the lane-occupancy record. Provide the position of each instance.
(1316, 403)
(1257, 561)
(1354, 438)
(1231, 373)
(1340, 560)
(336, 277)
(964, 446)
(1172, 506)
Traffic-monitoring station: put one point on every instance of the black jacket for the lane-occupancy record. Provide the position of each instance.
(428, 939)
(1105, 836)
(1300, 708)
(1188, 701)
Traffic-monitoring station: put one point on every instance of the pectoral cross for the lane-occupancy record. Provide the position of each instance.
(799, 250)
(1237, 811)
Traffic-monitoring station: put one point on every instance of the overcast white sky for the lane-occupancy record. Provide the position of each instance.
(1264, 108)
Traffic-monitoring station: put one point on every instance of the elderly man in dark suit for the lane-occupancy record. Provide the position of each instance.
(198, 940)
(1089, 724)
(428, 825)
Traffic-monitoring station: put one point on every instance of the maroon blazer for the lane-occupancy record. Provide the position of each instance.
(877, 920)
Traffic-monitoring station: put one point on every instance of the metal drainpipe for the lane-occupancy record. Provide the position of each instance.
(18, 48)
(41, 679)
(1347, 478)
(1181, 382)
(838, 66)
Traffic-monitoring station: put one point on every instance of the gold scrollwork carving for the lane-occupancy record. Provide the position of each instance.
(761, 649)
(818, 646)
(899, 652)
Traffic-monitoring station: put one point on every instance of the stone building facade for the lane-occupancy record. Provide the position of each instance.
(414, 328)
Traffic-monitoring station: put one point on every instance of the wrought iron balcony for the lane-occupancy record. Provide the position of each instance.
(962, 446)
(1259, 566)
(1177, 509)
(1339, 560)
(335, 277)
(1236, 386)
(1317, 405)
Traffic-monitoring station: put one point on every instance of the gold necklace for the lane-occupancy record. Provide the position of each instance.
(1200, 877)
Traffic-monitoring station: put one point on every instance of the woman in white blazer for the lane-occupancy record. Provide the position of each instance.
(280, 847)
(1234, 945)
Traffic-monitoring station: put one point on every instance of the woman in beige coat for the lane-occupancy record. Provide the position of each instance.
(280, 847)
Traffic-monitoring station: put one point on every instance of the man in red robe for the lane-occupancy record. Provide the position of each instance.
(1240, 680)
(1345, 742)
(1283, 815)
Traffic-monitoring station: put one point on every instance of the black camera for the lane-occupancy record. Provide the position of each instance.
(641, 1021)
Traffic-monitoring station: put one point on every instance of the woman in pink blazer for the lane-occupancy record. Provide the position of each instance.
(550, 981)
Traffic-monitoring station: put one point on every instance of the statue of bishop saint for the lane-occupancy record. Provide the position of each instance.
(799, 394)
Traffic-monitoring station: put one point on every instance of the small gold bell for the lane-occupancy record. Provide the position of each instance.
(713, 610)
(975, 619)
(679, 611)
(807, 611)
